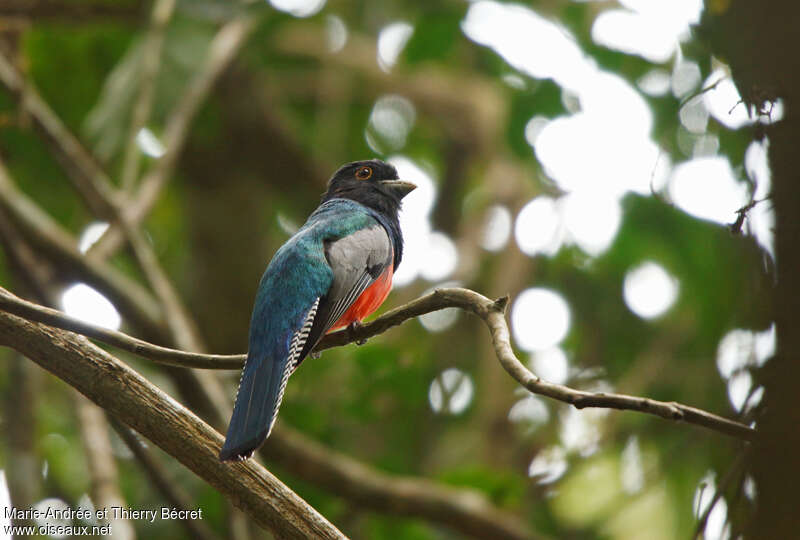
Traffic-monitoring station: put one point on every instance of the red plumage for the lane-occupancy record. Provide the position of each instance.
(369, 301)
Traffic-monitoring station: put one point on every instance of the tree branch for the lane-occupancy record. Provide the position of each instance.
(223, 49)
(102, 466)
(492, 313)
(137, 403)
(172, 492)
(51, 239)
(151, 63)
(465, 510)
(69, 10)
(89, 179)
(95, 186)
(155, 353)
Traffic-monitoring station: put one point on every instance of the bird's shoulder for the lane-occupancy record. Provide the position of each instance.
(337, 218)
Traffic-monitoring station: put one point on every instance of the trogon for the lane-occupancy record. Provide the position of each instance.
(333, 272)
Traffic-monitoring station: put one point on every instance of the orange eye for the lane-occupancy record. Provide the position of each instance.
(364, 173)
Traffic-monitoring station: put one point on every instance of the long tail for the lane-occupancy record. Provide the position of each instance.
(257, 401)
(261, 391)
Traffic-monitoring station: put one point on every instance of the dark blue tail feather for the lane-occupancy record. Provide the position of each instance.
(256, 404)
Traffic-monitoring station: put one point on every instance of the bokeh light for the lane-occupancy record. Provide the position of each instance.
(650, 29)
(549, 465)
(632, 469)
(655, 82)
(534, 128)
(48, 515)
(739, 386)
(724, 102)
(717, 527)
(298, 8)
(530, 410)
(749, 487)
(538, 227)
(694, 115)
(497, 228)
(737, 352)
(391, 41)
(740, 349)
(649, 290)
(389, 123)
(414, 219)
(685, 78)
(441, 259)
(91, 234)
(85, 303)
(149, 144)
(592, 220)
(580, 431)
(335, 33)
(441, 319)
(540, 319)
(551, 365)
(450, 392)
(761, 218)
(706, 188)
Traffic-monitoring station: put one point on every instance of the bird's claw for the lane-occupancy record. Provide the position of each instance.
(315, 354)
(352, 328)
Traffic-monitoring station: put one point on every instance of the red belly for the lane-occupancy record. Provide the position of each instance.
(369, 300)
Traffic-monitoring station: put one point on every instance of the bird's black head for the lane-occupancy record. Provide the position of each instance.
(372, 183)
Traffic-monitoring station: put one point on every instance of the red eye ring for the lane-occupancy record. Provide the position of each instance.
(364, 173)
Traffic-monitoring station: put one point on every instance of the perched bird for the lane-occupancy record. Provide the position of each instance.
(333, 272)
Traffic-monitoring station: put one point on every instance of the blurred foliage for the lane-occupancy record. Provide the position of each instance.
(217, 225)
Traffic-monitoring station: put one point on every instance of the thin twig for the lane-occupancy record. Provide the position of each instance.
(151, 63)
(94, 184)
(223, 49)
(57, 244)
(89, 179)
(702, 91)
(723, 486)
(154, 353)
(741, 215)
(492, 313)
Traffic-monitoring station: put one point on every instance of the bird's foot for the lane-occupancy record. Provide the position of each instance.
(352, 328)
(315, 355)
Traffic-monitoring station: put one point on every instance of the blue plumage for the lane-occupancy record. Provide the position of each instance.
(341, 258)
(296, 277)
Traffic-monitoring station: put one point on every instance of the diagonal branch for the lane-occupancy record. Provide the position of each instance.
(134, 401)
(222, 51)
(465, 510)
(94, 185)
(492, 313)
(159, 476)
(103, 473)
(137, 304)
(86, 174)
(151, 63)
